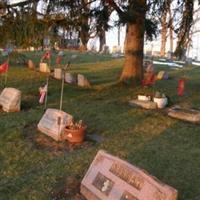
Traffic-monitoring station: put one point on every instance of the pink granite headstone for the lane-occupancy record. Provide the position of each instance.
(110, 178)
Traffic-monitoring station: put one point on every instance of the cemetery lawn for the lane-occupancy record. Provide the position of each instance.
(33, 166)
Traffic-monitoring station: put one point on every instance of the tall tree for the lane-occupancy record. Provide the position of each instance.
(184, 29)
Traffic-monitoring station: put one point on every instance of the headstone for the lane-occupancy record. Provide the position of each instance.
(189, 115)
(31, 65)
(82, 81)
(69, 78)
(10, 100)
(143, 104)
(58, 73)
(110, 178)
(54, 122)
(44, 68)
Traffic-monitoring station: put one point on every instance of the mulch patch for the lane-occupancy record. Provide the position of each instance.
(67, 188)
(43, 142)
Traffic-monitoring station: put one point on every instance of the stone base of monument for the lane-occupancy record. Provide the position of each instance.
(143, 104)
(43, 67)
(10, 100)
(110, 178)
(189, 115)
(57, 73)
(69, 78)
(53, 123)
(82, 81)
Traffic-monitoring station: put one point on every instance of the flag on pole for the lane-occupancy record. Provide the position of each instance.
(181, 87)
(4, 67)
(47, 55)
(58, 60)
(43, 93)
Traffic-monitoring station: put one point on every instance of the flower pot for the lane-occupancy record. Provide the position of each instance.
(161, 102)
(74, 135)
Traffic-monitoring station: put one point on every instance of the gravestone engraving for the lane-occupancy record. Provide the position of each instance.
(54, 122)
(82, 81)
(58, 73)
(43, 67)
(110, 178)
(10, 100)
(143, 104)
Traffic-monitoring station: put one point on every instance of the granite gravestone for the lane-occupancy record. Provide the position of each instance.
(10, 100)
(110, 178)
(54, 122)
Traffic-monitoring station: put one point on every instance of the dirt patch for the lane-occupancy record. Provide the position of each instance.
(67, 188)
(43, 142)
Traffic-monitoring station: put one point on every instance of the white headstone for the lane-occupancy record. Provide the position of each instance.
(82, 81)
(54, 122)
(10, 100)
(44, 68)
(58, 73)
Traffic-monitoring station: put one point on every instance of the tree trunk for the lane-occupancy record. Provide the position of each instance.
(102, 40)
(163, 34)
(133, 48)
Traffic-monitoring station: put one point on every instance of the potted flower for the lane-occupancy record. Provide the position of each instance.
(160, 99)
(75, 132)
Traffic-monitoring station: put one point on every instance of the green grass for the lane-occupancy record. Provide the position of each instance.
(166, 148)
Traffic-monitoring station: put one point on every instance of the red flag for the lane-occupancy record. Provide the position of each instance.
(4, 67)
(181, 87)
(47, 55)
(58, 60)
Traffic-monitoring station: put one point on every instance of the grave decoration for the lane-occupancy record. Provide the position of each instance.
(149, 75)
(162, 75)
(75, 132)
(4, 70)
(82, 81)
(189, 115)
(53, 123)
(110, 178)
(10, 100)
(160, 99)
(181, 87)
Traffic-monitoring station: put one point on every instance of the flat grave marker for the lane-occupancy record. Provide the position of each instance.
(110, 178)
